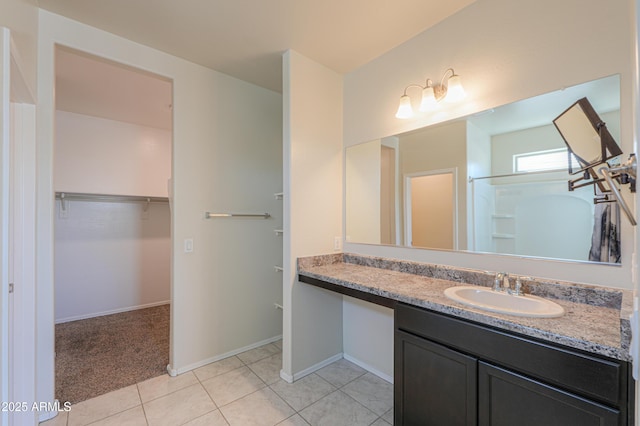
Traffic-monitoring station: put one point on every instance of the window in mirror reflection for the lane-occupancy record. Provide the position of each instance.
(525, 214)
(553, 159)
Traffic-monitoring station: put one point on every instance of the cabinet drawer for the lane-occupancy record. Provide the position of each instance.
(507, 399)
(599, 379)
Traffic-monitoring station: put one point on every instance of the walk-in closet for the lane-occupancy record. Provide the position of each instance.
(112, 247)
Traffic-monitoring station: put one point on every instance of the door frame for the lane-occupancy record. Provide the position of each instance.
(5, 163)
(17, 216)
(406, 177)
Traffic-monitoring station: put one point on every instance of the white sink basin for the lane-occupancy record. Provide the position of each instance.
(495, 301)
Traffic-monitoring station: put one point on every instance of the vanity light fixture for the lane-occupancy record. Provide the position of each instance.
(432, 94)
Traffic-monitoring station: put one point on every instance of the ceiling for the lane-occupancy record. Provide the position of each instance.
(604, 95)
(89, 85)
(246, 38)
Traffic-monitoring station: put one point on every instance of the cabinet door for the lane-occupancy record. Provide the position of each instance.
(434, 385)
(508, 399)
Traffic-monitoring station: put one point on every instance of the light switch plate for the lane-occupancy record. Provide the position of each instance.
(188, 245)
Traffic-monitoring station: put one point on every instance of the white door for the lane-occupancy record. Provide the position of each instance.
(5, 66)
(22, 362)
(17, 232)
(430, 209)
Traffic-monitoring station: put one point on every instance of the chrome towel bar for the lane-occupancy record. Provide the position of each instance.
(209, 215)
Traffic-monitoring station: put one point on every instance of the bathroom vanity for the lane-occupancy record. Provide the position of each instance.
(457, 365)
(489, 377)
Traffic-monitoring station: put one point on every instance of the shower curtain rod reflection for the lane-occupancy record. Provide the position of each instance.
(541, 172)
(209, 215)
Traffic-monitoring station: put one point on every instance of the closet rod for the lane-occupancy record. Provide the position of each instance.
(78, 196)
(209, 215)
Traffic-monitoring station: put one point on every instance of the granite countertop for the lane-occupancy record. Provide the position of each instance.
(596, 318)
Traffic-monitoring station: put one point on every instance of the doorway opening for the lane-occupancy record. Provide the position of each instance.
(430, 209)
(112, 224)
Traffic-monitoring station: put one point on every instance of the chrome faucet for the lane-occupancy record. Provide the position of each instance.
(501, 283)
(498, 282)
(518, 291)
(506, 285)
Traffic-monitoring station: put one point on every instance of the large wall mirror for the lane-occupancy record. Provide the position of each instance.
(492, 182)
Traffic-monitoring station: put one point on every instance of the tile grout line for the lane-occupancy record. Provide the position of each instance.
(110, 415)
(224, 417)
(266, 386)
(306, 406)
(144, 412)
(358, 402)
(208, 378)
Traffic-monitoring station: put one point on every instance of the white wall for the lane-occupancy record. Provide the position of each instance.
(100, 156)
(524, 43)
(364, 323)
(504, 51)
(227, 156)
(110, 256)
(313, 164)
(362, 187)
(21, 17)
(478, 151)
(109, 259)
(479, 209)
(504, 146)
(450, 142)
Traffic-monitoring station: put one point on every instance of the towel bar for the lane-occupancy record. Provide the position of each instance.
(209, 215)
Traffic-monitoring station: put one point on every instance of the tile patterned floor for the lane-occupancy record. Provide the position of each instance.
(245, 389)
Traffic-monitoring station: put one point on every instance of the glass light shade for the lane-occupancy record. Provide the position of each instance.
(404, 109)
(429, 102)
(455, 92)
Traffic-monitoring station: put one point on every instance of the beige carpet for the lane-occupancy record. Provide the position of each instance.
(98, 355)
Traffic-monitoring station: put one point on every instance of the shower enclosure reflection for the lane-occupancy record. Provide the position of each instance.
(508, 192)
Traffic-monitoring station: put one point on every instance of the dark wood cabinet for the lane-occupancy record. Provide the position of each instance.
(452, 372)
(425, 365)
(506, 399)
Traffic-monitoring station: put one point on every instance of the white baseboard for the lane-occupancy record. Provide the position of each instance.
(286, 377)
(299, 375)
(113, 311)
(174, 372)
(46, 415)
(369, 368)
(43, 416)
